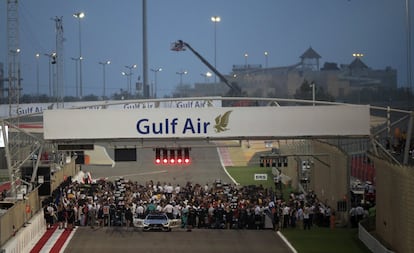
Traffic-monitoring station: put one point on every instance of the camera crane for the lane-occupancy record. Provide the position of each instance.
(234, 91)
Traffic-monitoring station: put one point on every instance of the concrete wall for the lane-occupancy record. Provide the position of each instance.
(69, 169)
(394, 192)
(26, 238)
(395, 205)
(21, 212)
(15, 217)
(330, 176)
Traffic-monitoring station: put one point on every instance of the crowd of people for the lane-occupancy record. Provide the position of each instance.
(215, 205)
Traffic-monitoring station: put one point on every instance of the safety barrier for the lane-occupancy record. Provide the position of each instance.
(395, 208)
(26, 237)
(370, 241)
(16, 217)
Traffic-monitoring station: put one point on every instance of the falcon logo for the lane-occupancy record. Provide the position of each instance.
(221, 122)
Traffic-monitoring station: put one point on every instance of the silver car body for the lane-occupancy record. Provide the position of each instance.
(157, 221)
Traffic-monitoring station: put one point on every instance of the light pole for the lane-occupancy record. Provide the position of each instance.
(130, 74)
(76, 75)
(154, 90)
(215, 20)
(312, 85)
(144, 51)
(37, 74)
(128, 78)
(104, 77)
(246, 55)
(266, 54)
(408, 27)
(79, 16)
(181, 73)
(50, 56)
(53, 63)
(206, 75)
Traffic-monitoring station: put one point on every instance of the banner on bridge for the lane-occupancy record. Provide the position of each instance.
(209, 122)
(36, 108)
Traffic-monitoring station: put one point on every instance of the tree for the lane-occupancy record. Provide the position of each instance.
(305, 92)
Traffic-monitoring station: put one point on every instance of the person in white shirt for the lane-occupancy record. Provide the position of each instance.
(306, 218)
(140, 211)
(169, 190)
(360, 213)
(177, 189)
(92, 212)
(168, 209)
(176, 211)
(300, 217)
(285, 212)
(158, 208)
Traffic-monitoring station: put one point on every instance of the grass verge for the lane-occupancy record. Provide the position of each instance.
(317, 240)
(321, 240)
(245, 175)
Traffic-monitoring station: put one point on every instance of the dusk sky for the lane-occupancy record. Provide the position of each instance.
(112, 30)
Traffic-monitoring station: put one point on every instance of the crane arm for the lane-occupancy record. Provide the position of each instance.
(181, 46)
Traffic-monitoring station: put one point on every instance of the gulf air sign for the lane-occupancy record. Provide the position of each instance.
(33, 108)
(211, 122)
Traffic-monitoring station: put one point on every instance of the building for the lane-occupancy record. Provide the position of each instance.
(283, 82)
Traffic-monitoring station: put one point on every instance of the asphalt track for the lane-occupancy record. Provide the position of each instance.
(205, 167)
(109, 240)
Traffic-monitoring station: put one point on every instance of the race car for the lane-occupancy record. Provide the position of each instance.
(157, 221)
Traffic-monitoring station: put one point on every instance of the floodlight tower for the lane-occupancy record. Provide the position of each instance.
(13, 55)
(59, 62)
(12, 149)
(19, 146)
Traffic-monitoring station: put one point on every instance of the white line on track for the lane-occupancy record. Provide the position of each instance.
(67, 241)
(286, 241)
(224, 168)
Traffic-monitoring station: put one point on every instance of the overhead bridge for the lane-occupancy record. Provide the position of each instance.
(172, 120)
(183, 122)
(207, 123)
(198, 118)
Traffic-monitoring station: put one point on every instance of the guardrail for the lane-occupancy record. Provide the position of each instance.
(369, 240)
